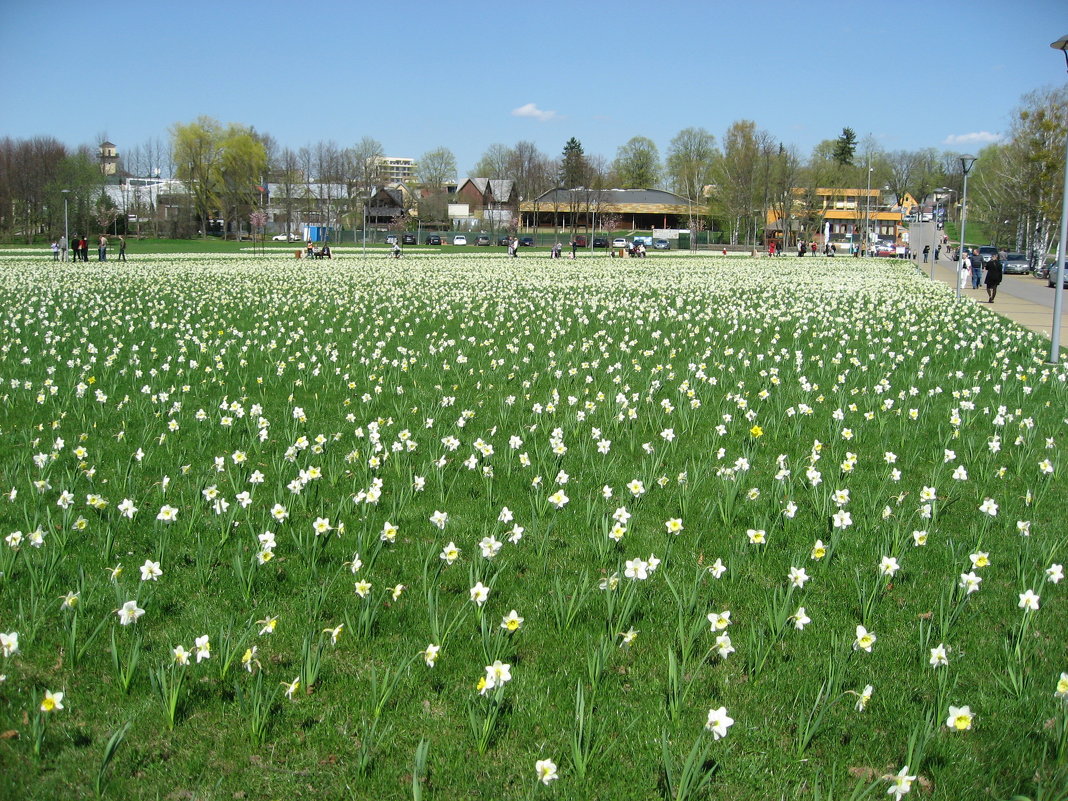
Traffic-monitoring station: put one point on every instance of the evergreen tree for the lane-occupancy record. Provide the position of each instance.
(573, 167)
(845, 146)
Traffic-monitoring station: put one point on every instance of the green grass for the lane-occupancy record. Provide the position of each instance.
(977, 232)
(668, 371)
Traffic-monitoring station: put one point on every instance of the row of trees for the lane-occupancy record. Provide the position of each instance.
(40, 179)
(732, 182)
(1018, 182)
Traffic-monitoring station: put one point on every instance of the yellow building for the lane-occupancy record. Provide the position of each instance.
(838, 216)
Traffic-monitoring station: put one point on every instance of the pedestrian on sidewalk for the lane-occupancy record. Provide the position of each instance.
(993, 277)
(926, 252)
(975, 262)
(938, 249)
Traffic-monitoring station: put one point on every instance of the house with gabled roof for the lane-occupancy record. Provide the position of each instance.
(386, 204)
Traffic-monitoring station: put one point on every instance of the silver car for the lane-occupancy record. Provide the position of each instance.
(1015, 264)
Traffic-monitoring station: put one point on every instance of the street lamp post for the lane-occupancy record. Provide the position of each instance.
(66, 234)
(1058, 297)
(867, 212)
(966, 164)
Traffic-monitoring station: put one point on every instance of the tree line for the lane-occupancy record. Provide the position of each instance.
(732, 182)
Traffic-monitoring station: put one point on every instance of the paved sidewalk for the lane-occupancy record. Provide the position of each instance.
(1037, 317)
(1021, 298)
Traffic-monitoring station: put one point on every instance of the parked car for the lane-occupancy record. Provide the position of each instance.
(661, 244)
(408, 239)
(483, 239)
(391, 239)
(645, 240)
(459, 239)
(433, 239)
(620, 242)
(1051, 277)
(1015, 264)
(286, 238)
(987, 252)
(600, 242)
(504, 241)
(526, 241)
(581, 241)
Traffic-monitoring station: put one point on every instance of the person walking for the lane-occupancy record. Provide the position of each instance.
(993, 277)
(122, 247)
(926, 252)
(938, 249)
(975, 262)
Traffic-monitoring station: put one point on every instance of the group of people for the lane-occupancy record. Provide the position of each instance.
(79, 248)
(972, 265)
(804, 248)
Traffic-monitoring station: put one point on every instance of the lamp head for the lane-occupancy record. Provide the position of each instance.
(966, 163)
(1062, 45)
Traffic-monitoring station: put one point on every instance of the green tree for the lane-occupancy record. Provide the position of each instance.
(637, 164)
(242, 163)
(573, 165)
(1018, 182)
(845, 147)
(739, 192)
(197, 157)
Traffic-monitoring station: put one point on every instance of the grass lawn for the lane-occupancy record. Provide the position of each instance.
(976, 231)
(458, 525)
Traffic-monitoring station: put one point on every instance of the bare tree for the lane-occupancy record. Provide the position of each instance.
(495, 163)
(436, 168)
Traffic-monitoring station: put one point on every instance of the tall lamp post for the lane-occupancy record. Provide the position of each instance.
(66, 234)
(867, 212)
(966, 164)
(1058, 297)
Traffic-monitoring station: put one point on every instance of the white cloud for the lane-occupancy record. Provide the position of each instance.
(531, 110)
(974, 138)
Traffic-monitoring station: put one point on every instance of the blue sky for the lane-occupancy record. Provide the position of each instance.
(421, 75)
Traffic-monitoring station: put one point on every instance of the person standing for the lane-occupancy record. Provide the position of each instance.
(83, 246)
(63, 248)
(975, 262)
(102, 250)
(926, 252)
(938, 249)
(993, 277)
(122, 247)
(55, 250)
(574, 247)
